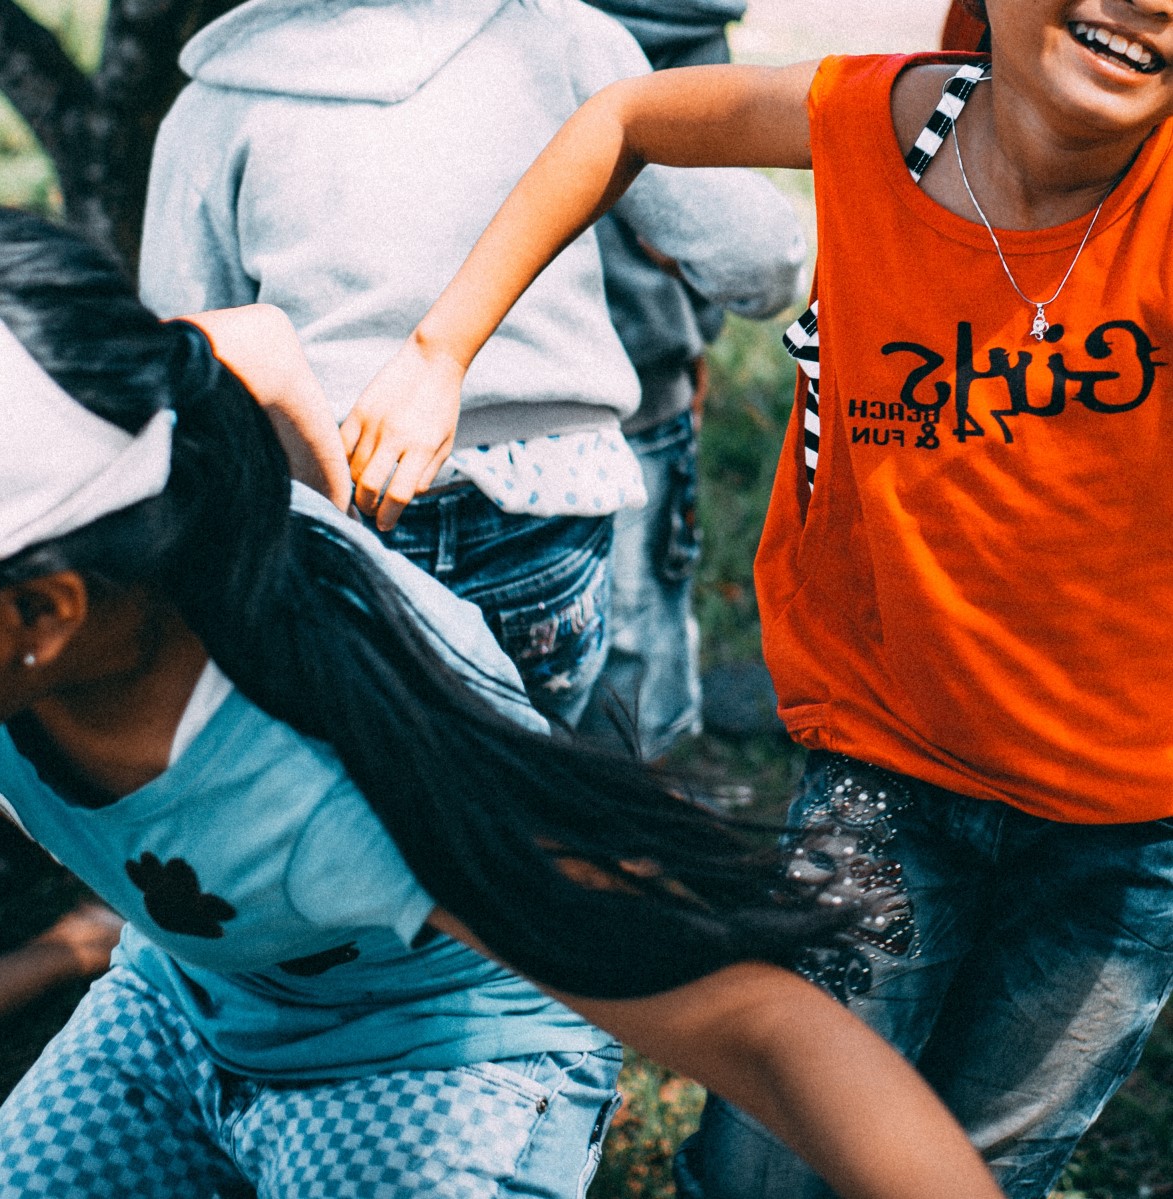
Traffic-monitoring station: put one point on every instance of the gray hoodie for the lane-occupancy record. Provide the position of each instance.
(339, 158)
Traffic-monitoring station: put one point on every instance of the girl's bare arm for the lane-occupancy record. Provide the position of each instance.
(259, 345)
(803, 1065)
(401, 428)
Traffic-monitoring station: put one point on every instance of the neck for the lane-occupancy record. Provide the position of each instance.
(113, 715)
(1029, 174)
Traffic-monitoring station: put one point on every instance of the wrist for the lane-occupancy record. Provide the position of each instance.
(439, 349)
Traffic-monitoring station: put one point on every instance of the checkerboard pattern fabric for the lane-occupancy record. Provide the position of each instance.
(124, 1104)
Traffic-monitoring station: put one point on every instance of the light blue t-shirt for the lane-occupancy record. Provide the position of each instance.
(266, 900)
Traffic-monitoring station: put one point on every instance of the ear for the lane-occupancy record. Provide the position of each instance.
(40, 617)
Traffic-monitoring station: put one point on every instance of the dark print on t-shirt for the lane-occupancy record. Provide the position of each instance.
(319, 963)
(174, 900)
(1121, 346)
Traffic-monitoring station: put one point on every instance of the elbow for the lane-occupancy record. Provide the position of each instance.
(612, 115)
(775, 282)
(782, 287)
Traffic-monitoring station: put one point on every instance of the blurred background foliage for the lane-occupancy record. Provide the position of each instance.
(27, 178)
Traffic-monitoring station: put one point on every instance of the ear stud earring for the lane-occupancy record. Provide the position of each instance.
(29, 660)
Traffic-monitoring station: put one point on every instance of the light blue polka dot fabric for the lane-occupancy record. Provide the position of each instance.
(577, 474)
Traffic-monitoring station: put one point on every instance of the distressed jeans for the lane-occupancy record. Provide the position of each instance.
(542, 583)
(650, 683)
(1043, 955)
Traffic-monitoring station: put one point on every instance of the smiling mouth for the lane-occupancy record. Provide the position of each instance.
(1117, 48)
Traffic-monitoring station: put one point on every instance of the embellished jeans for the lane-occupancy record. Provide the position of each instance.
(125, 1104)
(543, 584)
(1043, 955)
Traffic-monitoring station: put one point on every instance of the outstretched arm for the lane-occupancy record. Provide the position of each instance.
(809, 1070)
(258, 343)
(402, 426)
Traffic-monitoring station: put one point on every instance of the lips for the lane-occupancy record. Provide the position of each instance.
(1110, 44)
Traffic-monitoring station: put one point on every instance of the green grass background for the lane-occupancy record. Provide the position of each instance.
(1128, 1155)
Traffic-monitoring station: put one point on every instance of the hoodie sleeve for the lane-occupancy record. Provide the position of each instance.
(191, 259)
(736, 238)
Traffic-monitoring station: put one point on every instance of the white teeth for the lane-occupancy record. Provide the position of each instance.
(1115, 42)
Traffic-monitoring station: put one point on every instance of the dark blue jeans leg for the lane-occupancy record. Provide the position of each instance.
(542, 583)
(899, 995)
(1043, 960)
(1052, 1008)
(649, 692)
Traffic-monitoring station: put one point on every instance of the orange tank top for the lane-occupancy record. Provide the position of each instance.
(978, 591)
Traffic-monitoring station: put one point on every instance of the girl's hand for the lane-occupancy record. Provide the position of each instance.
(401, 429)
(259, 345)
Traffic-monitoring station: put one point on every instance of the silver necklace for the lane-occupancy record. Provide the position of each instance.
(1041, 325)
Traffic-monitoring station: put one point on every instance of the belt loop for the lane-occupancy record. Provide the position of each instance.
(447, 532)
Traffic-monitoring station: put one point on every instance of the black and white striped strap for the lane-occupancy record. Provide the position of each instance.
(802, 344)
(932, 136)
(802, 338)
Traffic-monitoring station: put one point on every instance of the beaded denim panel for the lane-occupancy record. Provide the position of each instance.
(844, 820)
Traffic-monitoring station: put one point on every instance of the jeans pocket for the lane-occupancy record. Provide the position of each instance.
(682, 532)
(506, 1076)
(558, 643)
(842, 826)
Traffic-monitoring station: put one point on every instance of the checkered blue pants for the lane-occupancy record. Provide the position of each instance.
(125, 1104)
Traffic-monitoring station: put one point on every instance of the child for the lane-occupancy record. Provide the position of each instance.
(650, 683)
(306, 776)
(338, 160)
(966, 575)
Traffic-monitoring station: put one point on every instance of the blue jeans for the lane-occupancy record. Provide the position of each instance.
(650, 682)
(542, 583)
(1044, 954)
(125, 1104)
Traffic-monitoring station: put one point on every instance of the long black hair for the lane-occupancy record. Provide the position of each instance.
(580, 869)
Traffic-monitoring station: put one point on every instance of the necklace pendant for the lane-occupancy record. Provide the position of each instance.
(1039, 328)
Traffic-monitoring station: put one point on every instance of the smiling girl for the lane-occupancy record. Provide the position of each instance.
(966, 575)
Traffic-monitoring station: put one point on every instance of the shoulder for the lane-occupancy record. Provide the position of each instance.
(916, 92)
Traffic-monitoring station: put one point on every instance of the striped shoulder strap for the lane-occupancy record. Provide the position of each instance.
(802, 344)
(953, 97)
(802, 338)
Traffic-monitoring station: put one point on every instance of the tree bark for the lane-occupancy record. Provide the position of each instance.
(99, 131)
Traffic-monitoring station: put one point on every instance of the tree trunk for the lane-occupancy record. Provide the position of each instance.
(99, 131)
